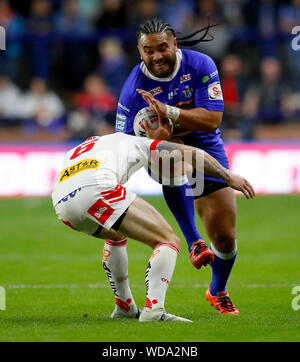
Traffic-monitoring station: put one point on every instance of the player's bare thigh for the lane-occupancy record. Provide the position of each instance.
(143, 223)
(218, 213)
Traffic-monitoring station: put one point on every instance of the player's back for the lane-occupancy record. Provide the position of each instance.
(105, 161)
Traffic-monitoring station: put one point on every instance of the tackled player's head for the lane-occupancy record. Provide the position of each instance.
(157, 44)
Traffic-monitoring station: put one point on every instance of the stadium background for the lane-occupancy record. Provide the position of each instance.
(65, 63)
(60, 77)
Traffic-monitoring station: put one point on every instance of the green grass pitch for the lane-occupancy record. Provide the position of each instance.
(53, 277)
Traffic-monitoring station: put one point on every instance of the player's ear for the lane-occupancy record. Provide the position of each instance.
(175, 43)
(138, 46)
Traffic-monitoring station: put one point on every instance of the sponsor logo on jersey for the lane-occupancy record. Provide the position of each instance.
(78, 167)
(155, 91)
(121, 116)
(123, 107)
(205, 79)
(185, 78)
(173, 93)
(188, 92)
(215, 91)
(120, 125)
(213, 74)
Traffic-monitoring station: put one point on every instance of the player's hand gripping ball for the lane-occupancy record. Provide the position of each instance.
(146, 115)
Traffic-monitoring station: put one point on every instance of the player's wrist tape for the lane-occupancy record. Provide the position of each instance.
(173, 112)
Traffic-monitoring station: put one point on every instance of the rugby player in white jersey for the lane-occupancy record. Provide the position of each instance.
(88, 196)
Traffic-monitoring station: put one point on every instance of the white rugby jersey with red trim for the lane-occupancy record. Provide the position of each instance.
(107, 161)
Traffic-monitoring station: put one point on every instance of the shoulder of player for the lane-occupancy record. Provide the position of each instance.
(113, 139)
(140, 143)
(133, 81)
(129, 97)
(196, 60)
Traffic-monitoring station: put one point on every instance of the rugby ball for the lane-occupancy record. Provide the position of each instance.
(146, 115)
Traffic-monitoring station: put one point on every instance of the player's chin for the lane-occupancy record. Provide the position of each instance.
(162, 71)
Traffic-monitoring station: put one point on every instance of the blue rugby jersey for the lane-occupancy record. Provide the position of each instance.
(194, 83)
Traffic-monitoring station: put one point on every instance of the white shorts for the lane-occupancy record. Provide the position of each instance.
(88, 207)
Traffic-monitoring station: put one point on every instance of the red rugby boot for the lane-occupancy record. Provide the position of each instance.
(201, 254)
(222, 303)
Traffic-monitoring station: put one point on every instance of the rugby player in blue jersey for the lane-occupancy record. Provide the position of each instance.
(184, 86)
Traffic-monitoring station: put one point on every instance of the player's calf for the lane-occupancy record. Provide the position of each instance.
(115, 264)
(157, 279)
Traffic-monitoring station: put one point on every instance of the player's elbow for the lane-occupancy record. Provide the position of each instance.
(207, 121)
(215, 120)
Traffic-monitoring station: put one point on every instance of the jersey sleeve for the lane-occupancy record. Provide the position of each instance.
(208, 92)
(146, 146)
(130, 102)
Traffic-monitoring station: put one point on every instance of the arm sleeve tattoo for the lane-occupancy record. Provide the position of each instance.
(199, 159)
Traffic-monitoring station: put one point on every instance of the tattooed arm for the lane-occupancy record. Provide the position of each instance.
(211, 166)
(205, 163)
(198, 158)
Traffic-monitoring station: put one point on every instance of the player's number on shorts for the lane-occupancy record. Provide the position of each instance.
(85, 147)
(2, 298)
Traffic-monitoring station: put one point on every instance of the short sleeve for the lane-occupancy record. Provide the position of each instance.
(146, 146)
(208, 92)
(128, 105)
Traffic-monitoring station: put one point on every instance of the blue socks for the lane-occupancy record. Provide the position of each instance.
(182, 207)
(221, 268)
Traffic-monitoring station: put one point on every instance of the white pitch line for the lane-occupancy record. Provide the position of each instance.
(56, 286)
(100, 285)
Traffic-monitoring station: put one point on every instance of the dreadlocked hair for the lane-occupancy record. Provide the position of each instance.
(154, 26)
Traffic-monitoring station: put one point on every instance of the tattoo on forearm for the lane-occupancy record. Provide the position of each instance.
(199, 159)
(212, 167)
(221, 173)
(166, 146)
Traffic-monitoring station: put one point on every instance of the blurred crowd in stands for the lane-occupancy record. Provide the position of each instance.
(66, 60)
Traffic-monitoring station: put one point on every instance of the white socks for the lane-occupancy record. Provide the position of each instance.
(224, 256)
(159, 273)
(115, 263)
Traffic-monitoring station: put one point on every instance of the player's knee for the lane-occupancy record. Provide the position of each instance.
(167, 235)
(173, 239)
(225, 242)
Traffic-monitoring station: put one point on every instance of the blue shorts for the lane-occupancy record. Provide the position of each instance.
(214, 146)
